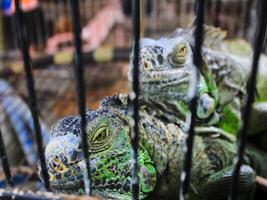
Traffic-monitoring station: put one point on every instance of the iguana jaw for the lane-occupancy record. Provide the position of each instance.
(70, 183)
(64, 159)
(172, 83)
(77, 187)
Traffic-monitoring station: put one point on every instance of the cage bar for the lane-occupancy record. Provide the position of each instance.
(80, 88)
(5, 163)
(197, 60)
(218, 7)
(241, 143)
(135, 90)
(23, 43)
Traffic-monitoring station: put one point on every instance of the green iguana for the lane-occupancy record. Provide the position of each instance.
(160, 157)
(166, 67)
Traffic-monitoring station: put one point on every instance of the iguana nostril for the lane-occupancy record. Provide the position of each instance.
(64, 159)
(59, 163)
(54, 165)
(73, 155)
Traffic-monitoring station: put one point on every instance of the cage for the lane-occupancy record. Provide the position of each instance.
(60, 53)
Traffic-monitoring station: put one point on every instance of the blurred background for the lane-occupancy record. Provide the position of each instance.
(106, 36)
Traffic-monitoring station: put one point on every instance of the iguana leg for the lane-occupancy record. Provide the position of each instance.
(218, 185)
(213, 131)
(205, 106)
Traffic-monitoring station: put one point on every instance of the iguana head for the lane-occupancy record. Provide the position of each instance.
(108, 136)
(166, 72)
(165, 65)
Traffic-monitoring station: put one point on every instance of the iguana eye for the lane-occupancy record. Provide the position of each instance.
(182, 51)
(100, 135)
(179, 54)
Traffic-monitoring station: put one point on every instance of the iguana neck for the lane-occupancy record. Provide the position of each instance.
(163, 142)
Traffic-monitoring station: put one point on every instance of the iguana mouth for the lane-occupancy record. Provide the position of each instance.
(166, 82)
(171, 83)
(102, 194)
(106, 194)
(165, 78)
(69, 179)
(75, 185)
(69, 183)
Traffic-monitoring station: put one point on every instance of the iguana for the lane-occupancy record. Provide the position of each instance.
(166, 67)
(160, 157)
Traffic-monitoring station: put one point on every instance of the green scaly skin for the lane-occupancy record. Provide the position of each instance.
(166, 66)
(164, 83)
(160, 157)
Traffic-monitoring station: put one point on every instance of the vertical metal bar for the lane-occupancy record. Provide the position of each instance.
(5, 163)
(218, 7)
(52, 17)
(80, 88)
(23, 43)
(197, 60)
(36, 23)
(135, 90)
(14, 43)
(241, 143)
(39, 21)
(56, 16)
(238, 13)
(84, 12)
(45, 28)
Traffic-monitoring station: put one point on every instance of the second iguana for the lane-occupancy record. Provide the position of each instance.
(160, 157)
(166, 68)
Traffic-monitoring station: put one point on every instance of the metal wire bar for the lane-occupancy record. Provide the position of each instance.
(4, 161)
(22, 39)
(135, 89)
(197, 60)
(80, 88)
(218, 7)
(241, 143)
(237, 13)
